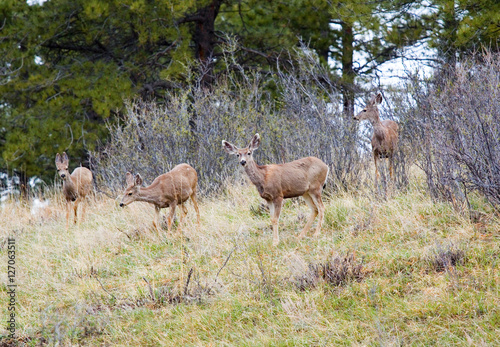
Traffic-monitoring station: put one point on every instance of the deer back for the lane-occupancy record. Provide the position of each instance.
(181, 182)
(176, 185)
(292, 179)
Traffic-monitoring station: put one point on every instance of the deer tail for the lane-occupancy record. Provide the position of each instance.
(326, 178)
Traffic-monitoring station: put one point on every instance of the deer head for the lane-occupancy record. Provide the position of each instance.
(62, 164)
(244, 154)
(133, 189)
(370, 112)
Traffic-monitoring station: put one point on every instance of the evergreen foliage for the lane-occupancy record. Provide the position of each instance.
(67, 66)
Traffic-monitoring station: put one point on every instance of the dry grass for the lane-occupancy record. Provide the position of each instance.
(111, 280)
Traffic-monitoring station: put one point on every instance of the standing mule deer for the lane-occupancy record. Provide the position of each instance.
(75, 186)
(304, 177)
(385, 134)
(167, 190)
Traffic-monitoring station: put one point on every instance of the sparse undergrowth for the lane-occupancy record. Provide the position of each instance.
(402, 271)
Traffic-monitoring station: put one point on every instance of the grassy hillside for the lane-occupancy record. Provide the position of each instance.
(403, 271)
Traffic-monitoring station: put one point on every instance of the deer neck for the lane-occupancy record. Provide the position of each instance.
(148, 194)
(375, 120)
(255, 173)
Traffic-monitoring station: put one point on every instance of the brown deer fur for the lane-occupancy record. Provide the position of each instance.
(303, 177)
(76, 187)
(385, 134)
(168, 190)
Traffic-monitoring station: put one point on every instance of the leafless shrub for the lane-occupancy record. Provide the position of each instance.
(192, 292)
(342, 269)
(297, 113)
(454, 122)
(443, 258)
(338, 271)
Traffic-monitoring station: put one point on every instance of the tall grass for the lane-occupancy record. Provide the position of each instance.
(112, 280)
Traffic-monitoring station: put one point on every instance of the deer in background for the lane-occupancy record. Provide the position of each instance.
(385, 134)
(304, 177)
(76, 186)
(167, 190)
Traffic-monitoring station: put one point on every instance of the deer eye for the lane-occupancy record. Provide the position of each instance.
(364, 110)
(249, 153)
(237, 155)
(130, 193)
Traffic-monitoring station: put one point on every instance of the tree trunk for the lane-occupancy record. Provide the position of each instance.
(204, 40)
(347, 69)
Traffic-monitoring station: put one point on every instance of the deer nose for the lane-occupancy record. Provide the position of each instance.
(63, 175)
(243, 162)
(121, 204)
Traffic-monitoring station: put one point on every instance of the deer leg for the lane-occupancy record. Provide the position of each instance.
(68, 213)
(316, 197)
(391, 167)
(184, 212)
(171, 214)
(312, 216)
(275, 209)
(377, 174)
(195, 204)
(84, 201)
(75, 208)
(156, 220)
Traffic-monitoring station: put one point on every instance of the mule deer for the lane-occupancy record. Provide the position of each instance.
(75, 186)
(304, 177)
(385, 134)
(167, 190)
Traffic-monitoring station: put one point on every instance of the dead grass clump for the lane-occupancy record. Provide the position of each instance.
(443, 258)
(24, 341)
(338, 271)
(192, 291)
(341, 270)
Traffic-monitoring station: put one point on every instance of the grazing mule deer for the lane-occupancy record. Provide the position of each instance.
(167, 190)
(304, 177)
(385, 134)
(75, 186)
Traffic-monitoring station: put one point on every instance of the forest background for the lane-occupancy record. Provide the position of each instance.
(80, 76)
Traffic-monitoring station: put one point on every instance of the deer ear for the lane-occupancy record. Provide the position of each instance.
(138, 180)
(229, 148)
(378, 98)
(129, 178)
(58, 158)
(255, 142)
(65, 158)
